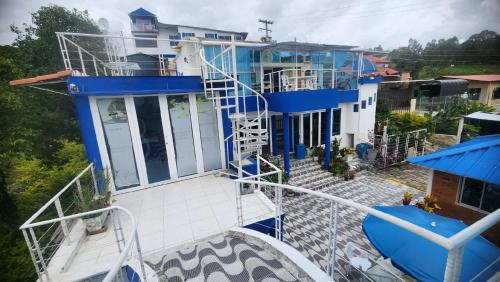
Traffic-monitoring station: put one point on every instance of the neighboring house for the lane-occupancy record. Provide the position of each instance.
(489, 123)
(465, 179)
(145, 24)
(487, 86)
(382, 66)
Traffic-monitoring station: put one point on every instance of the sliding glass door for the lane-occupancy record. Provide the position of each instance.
(152, 138)
(114, 120)
(209, 134)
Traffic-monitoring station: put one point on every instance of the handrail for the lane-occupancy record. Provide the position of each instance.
(133, 236)
(56, 196)
(451, 243)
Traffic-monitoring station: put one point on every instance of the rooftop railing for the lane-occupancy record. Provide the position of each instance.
(55, 233)
(327, 231)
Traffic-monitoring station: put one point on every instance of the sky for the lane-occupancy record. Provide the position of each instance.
(365, 23)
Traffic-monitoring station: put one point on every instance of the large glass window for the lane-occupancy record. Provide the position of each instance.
(209, 133)
(180, 120)
(336, 122)
(118, 142)
(152, 138)
(481, 195)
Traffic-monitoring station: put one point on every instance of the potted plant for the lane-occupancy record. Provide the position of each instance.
(407, 196)
(310, 151)
(88, 200)
(316, 153)
(347, 153)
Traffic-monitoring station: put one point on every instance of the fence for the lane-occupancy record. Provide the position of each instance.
(325, 211)
(393, 149)
(434, 104)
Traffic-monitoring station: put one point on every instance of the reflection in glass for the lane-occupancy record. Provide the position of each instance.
(152, 138)
(180, 120)
(118, 142)
(209, 134)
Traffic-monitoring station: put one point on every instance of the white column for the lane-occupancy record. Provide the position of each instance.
(311, 130)
(429, 182)
(167, 135)
(136, 141)
(301, 129)
(196, 133)
(319, 128)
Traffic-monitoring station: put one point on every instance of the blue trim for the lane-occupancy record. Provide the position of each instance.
(328, 128)
(274, 148)
(286, 149)
(368, 80)
(309, 100)
(134, 85)
(88, 131)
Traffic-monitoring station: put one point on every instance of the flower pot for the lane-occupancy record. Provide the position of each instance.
(315, 158)
(96, 224)
(406, 202)
(246, 189)
(310, 152)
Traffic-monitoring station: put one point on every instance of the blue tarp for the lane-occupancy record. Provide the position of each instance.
(423, 259)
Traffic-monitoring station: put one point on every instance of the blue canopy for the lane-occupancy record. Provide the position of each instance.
(421, 258)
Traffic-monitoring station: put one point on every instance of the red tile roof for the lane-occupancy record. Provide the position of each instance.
(477, 77)
(377, 59)
(390, 71)
(40, 78)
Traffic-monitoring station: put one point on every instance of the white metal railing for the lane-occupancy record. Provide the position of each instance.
(294, 79)
(50, 228)
(454, 245)
(395, 148)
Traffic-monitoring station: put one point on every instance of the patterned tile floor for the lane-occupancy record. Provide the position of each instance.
(307, 218)
(220, 259)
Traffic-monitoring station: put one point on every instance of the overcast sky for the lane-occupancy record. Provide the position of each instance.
(365, 23)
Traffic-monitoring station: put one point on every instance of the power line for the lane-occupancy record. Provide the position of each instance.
(268, 31)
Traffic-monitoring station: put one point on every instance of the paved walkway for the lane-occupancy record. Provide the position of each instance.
(307, 218)
(220, 259)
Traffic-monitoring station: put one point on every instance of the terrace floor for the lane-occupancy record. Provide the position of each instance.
(169, 217)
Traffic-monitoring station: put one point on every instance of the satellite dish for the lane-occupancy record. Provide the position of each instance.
(103, 25)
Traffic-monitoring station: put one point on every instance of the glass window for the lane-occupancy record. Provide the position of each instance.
(474, 93)
(323, 127)
(114, 120)
(152, 138)
(209, 133)
(211, 35)
(481, 195)
(363, 104)
(187, 34)
(146, 43)
(336, 122)
(370, 100)
(174, 43)
(238, 37)
(355, 108)
(225, 37)
(180, 120)
(496, 93)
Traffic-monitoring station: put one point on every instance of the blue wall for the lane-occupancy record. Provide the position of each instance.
(87, 130)
(300, 101)
(134, 85)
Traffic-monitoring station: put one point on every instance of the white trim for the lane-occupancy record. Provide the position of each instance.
(429, 182)
(271, 135)
(311, 130)
(195, 127)
(135, 134)
(301, 128)
(101, 142)
(167, 135)
(319, 129)
(220, 127)
(460, 192)
(331, 123)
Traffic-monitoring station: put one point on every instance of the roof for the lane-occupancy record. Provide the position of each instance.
(478, 158)
(390, 71)
(141, 13)
(304, 46)
(495, 116)
(164, 25)
(41, 79)
(377, 59)
(477, 77)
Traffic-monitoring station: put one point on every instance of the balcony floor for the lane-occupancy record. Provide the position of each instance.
(169, 217)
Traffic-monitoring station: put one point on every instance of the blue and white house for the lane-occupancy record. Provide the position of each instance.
(171, 133)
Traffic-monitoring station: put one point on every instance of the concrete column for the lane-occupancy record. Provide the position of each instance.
(328, 137)
(274, 146)
(286, 149)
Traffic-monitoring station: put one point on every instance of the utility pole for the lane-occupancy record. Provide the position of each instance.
(266, 29)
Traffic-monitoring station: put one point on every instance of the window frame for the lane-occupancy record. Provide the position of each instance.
(496, 91)
(355, 108)
(187, 34)
(460, 193)
(208, 35)
(363, 104)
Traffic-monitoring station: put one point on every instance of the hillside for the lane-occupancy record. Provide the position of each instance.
(428, 72)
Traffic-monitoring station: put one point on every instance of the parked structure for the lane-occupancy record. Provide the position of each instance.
(465, 180)
(487, 86)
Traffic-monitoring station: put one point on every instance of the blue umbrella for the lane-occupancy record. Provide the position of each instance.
(421, 258)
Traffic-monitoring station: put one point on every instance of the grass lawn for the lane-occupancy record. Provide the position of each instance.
(434, 72)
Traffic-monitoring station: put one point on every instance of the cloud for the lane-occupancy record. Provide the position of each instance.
(365, 23)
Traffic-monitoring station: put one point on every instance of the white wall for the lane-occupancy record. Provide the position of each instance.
(188, 60)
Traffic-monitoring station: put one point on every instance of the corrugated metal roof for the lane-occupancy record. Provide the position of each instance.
(478, 77)
(478, 158)
(495, 116)
(141, 12)
(377, 59)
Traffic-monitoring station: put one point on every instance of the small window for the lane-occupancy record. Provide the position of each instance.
(187, 34)
(375, 97)
(496, 93)
(238, 37)
(173, 39)
(211, 35)
(145, 43)
(225, 37)
(474, 93)
(370, 101)
(480, 195)
(363, 104)
(356, 108)
(336, 122)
